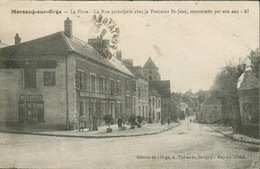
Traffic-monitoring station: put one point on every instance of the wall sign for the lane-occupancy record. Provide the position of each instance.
(30, 97)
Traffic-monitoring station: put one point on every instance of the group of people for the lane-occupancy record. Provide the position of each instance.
(83, 123)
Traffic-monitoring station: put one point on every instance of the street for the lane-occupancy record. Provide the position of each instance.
(190, 145)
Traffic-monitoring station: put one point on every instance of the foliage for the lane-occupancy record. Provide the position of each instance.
(139, 119)
(132, 119)
(225, 89)
(124, 117)
(108, 119)
(254, 58)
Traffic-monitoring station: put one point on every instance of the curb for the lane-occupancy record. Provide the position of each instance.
(232, 138)
(75, 136)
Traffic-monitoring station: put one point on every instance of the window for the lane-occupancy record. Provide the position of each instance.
(81, 108)
(49, 78)
(159, 103)
(30, 78)
(81, 80)
(102, 84)
(102, 109)
(139, 92)
(127, 86)
(150, 71)
(153, 100)
(112, 87)
(150, 78)
(128, 102)
(118, 87)
(92, 109)
(93, 82)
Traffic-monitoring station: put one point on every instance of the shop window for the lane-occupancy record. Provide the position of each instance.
(81, 108)
(49, 78)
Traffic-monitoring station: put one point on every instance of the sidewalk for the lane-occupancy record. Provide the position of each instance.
(228, 132)
(147, 129)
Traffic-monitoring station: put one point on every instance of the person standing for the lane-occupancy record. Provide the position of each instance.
(82, 122)
(95, 123)
(119, 121)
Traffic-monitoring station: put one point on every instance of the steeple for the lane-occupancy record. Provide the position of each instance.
(150, 64)
(151, 70)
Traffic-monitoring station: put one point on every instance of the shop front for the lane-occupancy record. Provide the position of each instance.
(30, 108)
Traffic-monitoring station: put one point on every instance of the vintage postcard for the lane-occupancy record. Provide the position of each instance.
(129, 84)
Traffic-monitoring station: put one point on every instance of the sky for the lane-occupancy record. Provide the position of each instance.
(188, 49)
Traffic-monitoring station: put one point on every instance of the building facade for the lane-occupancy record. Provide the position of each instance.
(55, 79)
(248, 90)
(142, 88)
(154, 107)
(210, 110)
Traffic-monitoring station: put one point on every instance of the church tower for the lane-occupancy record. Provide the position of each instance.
(151, 71)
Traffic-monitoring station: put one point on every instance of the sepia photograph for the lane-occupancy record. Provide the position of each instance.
(126, 85)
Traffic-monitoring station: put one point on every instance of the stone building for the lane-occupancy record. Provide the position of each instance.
(154, 107)
(248, 90)
(164, 90)
(54, 79)
(151, 71)
(142, 88)
(210, 110)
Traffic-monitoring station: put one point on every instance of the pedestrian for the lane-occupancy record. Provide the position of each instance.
(169, 121)
(190, 120)
(119, 121)
(95, 123)
(82, 122)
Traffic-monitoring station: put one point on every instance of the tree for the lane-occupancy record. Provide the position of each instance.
(254, 58)
(225, 89)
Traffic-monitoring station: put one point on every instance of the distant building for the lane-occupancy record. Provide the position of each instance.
(248, 89)
(154, 106)
(55, 79)
(142, 88)
(210, 110)
(163, 88)
(151, 71)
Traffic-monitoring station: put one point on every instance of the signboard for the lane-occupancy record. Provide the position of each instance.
(38, 64)
(30, 97)
(97, 95)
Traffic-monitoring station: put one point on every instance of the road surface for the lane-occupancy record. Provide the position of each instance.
(189, 145)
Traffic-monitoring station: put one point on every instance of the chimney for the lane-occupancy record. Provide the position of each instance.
(68, 27)
(17, 39)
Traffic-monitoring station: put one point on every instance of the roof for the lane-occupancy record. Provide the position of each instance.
(248, 81)
(212, 100)
(163, 87)
(134, 72)
(59, 44)
(153, 92)
(2, 44)
(149, 64)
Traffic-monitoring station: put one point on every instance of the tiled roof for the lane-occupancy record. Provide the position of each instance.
(149, 64)
(59, 44)
(163, 87)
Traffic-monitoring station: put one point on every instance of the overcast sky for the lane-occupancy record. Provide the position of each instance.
(189, 49)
